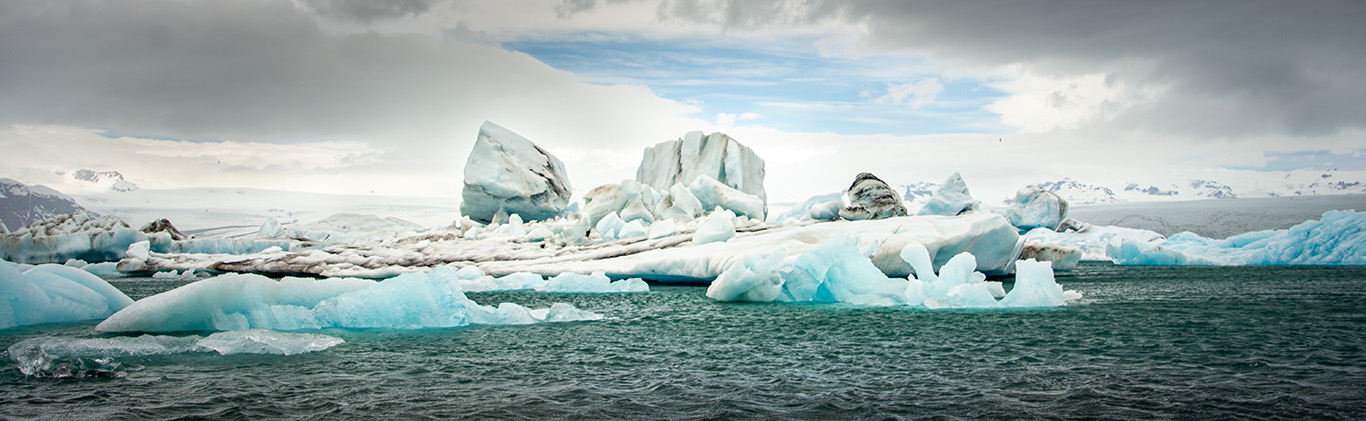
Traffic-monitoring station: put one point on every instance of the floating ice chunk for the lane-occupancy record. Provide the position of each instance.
(596, 283)
(951, 199)
(53, 293)
(609, 227)
(753, 278)
(79, 235)
(1035, 286)
(51, 356)
(712, 194)
(719, 226)
(839, 271)
(238, 302)
(507, 172)
(1035, 207)
(630, 200)
(1336, 239)
(270, 229)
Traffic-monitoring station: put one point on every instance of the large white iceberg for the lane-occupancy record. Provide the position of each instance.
(53, 293)
(1338, 238)
(715, 156)
(507, 174)
(55, 356)
(951, 199)
(243, 301)
(1035, 207)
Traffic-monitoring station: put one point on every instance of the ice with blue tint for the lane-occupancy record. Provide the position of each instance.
(595, 283)
(55, 356)
(472, 279)
(951, 199)
(414, 300)
(51, 293)
(1035, 207)
(712, 194)
(1338, 238)
(823, 207)
(716, 227)
(839, 271)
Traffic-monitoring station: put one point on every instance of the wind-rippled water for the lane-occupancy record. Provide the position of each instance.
(1146, 342)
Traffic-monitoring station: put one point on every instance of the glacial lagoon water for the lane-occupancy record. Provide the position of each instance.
(1145, 342)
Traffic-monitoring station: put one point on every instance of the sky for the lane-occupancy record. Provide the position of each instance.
(362, 97)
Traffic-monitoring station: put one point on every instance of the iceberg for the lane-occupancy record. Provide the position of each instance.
(871, 198)
(1035, 207)
(630, 200)
(951, 199)
(719, 226)
(52, 293)
(840, 271)
(823, 207)
(414, 300)
(79, 235)
(506, 173)
(595, 283)
(1338, 238)
(715, 156)
(712, 194)
(62, 357)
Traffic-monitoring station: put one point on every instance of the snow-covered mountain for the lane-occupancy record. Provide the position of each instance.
(108, 180)
(1078, 193)
(22, 204)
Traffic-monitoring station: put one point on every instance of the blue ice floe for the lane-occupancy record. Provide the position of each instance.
(839, 271)
(414, 300)
(52, 293)
(1338, 238)
(55, 356)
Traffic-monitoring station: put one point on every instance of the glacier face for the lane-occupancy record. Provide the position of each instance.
(506, 173)
(716, 156)
(414, 300)
(53, 293)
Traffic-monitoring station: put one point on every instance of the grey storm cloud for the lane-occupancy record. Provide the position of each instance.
(366, 11)
(1226, 67)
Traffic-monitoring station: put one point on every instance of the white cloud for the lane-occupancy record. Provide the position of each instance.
(913, 94)
(725, 120)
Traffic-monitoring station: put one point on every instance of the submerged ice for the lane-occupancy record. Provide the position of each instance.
(412, 300)
(55, 356)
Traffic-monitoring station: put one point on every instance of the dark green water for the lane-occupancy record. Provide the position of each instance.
(1146, 342)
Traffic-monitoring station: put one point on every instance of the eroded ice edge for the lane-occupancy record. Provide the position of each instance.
(414, 300)
(53, 293)
(55, 356)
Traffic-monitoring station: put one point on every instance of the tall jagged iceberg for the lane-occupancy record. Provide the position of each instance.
(951, 199)
(507, 173)
(717, 156)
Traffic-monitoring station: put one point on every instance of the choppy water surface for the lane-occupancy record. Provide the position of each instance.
(1146, 342)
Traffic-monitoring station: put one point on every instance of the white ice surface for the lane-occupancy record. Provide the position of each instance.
(595, 283)
(53, 293)
(413, 300)
(1034, 207)
(715, 156)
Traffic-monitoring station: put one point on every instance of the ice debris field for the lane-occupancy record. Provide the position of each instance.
(696, 212)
